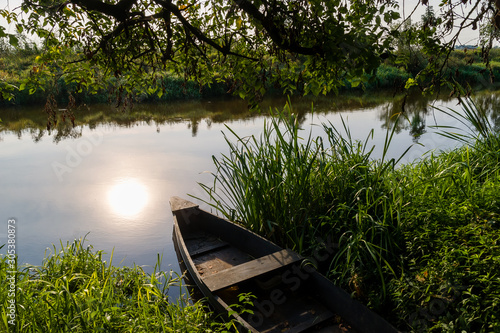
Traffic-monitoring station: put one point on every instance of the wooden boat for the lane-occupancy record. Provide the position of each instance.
(225, 260)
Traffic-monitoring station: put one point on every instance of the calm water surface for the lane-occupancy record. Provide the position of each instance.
(111, 176)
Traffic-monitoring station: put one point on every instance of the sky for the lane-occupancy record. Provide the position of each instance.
(406, 8)
(9, 5)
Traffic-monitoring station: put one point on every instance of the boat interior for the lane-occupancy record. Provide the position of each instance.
(231, 261)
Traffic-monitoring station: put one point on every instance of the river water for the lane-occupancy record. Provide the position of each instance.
(111, 176)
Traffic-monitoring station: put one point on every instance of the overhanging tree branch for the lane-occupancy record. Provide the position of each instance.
(171, 8)
(120, 11)
(274, 31)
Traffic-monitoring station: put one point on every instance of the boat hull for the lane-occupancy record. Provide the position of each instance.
(225, 261)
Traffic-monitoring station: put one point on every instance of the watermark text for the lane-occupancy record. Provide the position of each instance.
(74, 156)
(11, 271)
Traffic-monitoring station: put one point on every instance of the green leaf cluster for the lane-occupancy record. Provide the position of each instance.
(309, 47)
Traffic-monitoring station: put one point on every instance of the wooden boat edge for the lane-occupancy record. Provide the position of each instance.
(355, 313)
(219, 305)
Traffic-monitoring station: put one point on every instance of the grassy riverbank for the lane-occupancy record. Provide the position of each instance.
(418, 243)
(76, 290)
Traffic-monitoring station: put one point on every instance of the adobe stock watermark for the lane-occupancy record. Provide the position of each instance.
(76, 154)
(293, 279)
(11, 272)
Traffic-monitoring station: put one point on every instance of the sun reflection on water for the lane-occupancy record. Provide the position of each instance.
(128, 197)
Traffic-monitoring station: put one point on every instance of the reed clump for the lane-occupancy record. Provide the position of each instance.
(409, 237)
(295, 191)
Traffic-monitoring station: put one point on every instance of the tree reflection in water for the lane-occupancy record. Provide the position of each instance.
(413, 110)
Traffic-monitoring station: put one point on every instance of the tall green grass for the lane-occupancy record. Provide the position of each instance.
(476, 126)
(299, 191)
(419, 242)
(76, 290)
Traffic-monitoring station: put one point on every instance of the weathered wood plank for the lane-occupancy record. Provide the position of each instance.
(177, 204)
(250, 269)
(208, 248)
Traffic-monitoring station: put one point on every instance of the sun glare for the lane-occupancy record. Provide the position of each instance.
(128, 198)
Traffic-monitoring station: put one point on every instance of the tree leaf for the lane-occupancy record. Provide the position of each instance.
(13, 40)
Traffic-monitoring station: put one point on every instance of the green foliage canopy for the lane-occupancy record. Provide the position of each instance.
(310, 46)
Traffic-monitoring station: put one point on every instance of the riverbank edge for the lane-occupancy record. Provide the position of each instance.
(387, 78)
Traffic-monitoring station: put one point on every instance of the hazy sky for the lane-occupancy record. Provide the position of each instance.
(8, 4)
(406, 8)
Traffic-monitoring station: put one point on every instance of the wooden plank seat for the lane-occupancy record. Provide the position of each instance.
(209, 248)
(251, 269)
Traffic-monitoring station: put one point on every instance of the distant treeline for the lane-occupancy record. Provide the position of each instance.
(465, 67)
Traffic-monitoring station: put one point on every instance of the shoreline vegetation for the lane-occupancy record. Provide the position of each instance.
(76, 290)
(418, 243)
(465, 67)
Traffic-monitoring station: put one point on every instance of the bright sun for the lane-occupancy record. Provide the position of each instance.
(128, 197)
